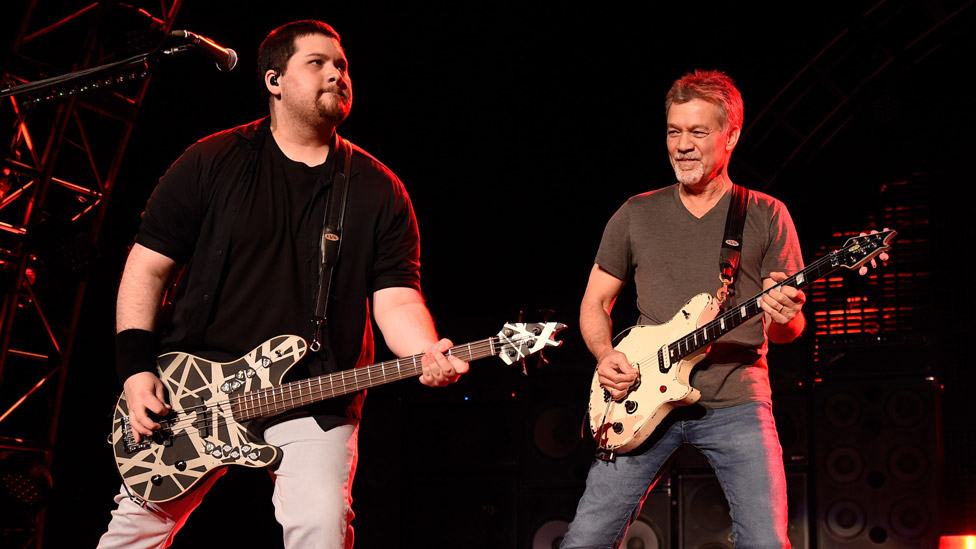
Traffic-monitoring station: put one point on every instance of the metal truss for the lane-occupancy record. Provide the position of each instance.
(823, 97)
(63, 148)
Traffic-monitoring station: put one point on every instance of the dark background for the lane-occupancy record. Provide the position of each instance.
(518, 131)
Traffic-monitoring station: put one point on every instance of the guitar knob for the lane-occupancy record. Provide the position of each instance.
(181, 465)
(156, 480)
(618, 427)
(630, 406)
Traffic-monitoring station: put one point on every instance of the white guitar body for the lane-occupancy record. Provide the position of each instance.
(621, 426)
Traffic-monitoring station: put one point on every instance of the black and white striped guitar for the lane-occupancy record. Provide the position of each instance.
(213, 402)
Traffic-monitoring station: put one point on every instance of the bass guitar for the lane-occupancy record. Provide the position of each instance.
(213, 403)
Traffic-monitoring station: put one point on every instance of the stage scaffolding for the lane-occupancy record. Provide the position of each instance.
(64, 142)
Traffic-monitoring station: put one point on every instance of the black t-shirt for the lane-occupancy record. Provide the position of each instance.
(246, 222)
(271, 272)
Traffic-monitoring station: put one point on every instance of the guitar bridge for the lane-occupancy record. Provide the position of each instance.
(129, 441)
(163, 436)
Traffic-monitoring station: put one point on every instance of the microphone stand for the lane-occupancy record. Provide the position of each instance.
(93, 78)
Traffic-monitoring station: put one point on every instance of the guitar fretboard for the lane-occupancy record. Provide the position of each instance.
(276, 400)
(849, 256)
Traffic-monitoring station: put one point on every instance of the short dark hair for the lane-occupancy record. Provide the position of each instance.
(716, 87)
(278, 47)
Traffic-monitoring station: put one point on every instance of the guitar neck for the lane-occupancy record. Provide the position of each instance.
(736, 316)
(285, 397)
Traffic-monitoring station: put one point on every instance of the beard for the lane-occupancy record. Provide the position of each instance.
(688, 177)
(334, 106)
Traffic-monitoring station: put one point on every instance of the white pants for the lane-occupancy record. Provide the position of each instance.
(312, 493)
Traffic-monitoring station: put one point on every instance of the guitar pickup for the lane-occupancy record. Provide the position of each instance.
(163, 437)
(202, 422)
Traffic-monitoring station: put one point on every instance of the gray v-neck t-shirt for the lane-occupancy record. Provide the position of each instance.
(673, 255)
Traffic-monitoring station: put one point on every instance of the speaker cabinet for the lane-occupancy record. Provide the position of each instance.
(555, 455)
(879, 462)
(791, 402)
(652, 527)
(556, 452)
(475, 510)
(703, 513)
(546, 515)
(460, 473)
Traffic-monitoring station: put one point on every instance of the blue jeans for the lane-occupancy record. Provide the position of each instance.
(741, 444)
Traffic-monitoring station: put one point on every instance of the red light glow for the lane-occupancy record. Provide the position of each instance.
(957, 542)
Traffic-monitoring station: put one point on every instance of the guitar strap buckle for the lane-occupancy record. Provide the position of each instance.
(731, 250)
(316, 343)
(725, 290)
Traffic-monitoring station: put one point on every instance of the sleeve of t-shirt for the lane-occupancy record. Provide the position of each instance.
(783, 253)
(172, 218)
(614, 255)
(397, 258)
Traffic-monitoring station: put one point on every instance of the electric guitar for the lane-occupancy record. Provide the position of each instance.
(212, 403)
(665, 354)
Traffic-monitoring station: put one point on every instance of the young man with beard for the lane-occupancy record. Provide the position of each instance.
(669, 242)
(243, 210)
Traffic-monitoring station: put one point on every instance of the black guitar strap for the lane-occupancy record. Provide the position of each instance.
(728, 262)
(329, 243)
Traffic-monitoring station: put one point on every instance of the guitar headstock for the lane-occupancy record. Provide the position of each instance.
(520, 339)
(858, 250)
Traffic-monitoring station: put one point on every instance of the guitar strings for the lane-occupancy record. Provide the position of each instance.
(340, 383)
(730, 317)
(735, 314)
(346, 379)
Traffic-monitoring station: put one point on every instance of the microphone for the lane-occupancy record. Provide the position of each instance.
(225, 58)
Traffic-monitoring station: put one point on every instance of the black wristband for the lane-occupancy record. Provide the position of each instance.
(135, 352)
